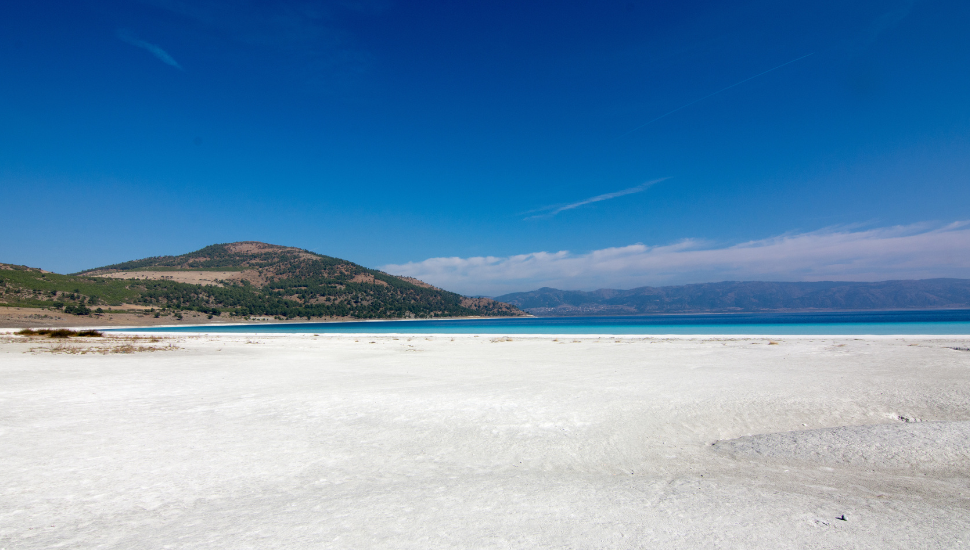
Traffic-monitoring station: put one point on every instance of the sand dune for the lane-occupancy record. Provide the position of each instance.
(296, 441)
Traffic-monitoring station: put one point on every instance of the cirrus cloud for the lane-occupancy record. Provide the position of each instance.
(128, 38)
(840, 254)
(550, 211)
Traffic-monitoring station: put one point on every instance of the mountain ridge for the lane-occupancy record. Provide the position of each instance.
(747, 296)
(254, 254)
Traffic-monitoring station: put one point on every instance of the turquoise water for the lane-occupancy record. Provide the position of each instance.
(849, 323)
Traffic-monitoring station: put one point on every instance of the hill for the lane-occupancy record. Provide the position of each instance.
(747, 296)
(244, 279)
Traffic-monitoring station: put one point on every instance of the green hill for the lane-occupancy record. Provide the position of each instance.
(244, 279)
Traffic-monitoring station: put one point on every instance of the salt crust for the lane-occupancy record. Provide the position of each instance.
(302, 441)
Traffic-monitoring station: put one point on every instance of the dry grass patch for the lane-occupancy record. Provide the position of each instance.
(60, 333)
(102, 350)
(107, 345)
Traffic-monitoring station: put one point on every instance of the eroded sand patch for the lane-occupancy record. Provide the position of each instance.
(923, 446)
(191, 277)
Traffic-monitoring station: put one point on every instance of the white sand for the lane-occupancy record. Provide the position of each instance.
(323, 442)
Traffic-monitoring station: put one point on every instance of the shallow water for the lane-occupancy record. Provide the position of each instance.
(835, 323)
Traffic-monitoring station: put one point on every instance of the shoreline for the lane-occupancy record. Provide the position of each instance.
(134, 331)
(26, 317)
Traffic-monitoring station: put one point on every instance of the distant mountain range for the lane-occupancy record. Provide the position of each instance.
(243, 279)
(749, 296)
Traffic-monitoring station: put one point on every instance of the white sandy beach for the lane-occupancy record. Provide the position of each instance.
(297, 441)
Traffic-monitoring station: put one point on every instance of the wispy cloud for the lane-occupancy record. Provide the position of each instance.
(712, 94)
(314, 37)
(549, 211)
(887, 21)
(127, 37)
(903, 252)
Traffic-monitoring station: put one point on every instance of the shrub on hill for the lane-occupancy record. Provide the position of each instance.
(79, 309)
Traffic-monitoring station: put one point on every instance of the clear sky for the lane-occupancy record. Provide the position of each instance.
(494, 146)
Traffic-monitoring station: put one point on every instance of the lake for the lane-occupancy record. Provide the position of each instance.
(937, 322)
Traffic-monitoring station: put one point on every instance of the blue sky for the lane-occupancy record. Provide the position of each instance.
(470, 144)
